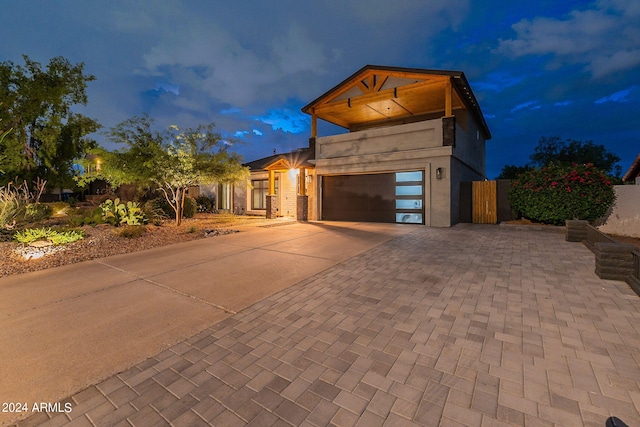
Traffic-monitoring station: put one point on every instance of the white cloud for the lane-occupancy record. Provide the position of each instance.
(619, 96)
(529, 105)
(604, 38)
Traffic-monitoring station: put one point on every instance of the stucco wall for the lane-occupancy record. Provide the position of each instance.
(625, 216)
(414, 146)
(413, 136)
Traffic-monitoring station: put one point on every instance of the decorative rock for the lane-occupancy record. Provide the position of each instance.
(41, 244)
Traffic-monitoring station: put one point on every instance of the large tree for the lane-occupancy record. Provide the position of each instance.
(47, 136)
(171, 161)
(553, 150)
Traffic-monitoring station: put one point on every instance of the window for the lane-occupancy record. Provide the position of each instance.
(410, 197)
(259, 193)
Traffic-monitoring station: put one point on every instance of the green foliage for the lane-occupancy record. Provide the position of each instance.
(172, 161)
(556, 193)
(37, 212)
(30, 235)
(116, 213)
(206, 204)
(47, 135)
(154, 212)
(551, 149)
(86, 217)
(554, 150)
(12, 205)
(190, 207)
(512, 172)
(131, 231)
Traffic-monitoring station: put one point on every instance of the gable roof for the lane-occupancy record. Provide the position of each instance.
(291, 160)
(633, 171)
(378, 93)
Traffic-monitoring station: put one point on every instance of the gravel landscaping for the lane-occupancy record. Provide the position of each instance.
(103, 240)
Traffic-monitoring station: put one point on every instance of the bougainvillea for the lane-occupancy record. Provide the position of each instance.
(556, 193)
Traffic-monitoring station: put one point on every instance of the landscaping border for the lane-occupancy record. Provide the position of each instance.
(614, 260)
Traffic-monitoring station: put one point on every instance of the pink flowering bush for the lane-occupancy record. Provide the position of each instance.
(556, 193)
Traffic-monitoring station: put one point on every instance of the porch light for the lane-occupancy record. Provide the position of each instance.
(439, 173)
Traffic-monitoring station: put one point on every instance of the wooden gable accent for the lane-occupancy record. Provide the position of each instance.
(378, 95)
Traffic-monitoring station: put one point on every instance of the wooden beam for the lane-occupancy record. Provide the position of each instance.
(381, 81)
(402, 91)
(272, 182)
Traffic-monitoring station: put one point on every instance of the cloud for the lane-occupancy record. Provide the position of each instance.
(604, 39)
(497, 82)
(211, 59)
(287, 120)
(619, 96)
(529, 105)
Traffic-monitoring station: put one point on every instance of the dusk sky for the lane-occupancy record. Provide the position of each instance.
(538, 68)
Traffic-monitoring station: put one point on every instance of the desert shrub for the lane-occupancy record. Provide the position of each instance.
(116, 213)
(161, 204)
(30, 235)
(154, 212)
(86, 217)
(161, 207)
(131, 231)
(13, 202)
(190, 207)
(556, 193)
(37, 212)
(206, 204)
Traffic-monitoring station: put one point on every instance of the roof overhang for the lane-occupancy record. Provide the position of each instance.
(378, 94)
(280, 162)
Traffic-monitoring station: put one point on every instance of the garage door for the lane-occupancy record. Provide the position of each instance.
(387, 197)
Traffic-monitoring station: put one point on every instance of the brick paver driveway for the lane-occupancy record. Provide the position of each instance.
(468, 326)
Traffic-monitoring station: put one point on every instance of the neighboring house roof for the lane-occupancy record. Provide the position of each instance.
(634, 170)
(375, 94)
(291, 160)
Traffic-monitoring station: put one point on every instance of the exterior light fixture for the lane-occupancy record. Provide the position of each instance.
(439, 173)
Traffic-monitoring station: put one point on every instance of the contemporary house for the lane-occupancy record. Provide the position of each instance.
(413, 136)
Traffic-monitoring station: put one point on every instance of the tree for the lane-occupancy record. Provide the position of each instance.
(512, 171)
(553, 150)
(172, 160)
(47, 136)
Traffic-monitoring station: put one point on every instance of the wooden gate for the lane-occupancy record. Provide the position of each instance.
(484, 200)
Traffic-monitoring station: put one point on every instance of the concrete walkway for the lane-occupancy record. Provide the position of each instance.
(469, 326)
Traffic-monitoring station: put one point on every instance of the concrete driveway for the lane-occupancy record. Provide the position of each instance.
(66, 328)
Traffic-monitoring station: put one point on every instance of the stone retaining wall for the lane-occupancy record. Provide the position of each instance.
(614, 260)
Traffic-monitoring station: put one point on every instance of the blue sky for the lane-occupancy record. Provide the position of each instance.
(538, 68)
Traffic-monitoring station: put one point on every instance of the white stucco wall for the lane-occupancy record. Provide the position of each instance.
(625, 216)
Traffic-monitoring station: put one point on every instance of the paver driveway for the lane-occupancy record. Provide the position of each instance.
(468, 326)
